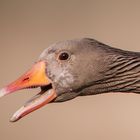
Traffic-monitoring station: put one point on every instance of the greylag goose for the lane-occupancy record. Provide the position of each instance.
(74, 68)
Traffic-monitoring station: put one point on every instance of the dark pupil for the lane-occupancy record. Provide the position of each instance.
(63, 56)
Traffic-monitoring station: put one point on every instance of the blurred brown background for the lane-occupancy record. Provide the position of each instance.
(27, 28)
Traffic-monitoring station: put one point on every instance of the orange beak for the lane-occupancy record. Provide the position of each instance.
(36, 77)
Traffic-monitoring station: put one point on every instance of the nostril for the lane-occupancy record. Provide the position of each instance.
(26, 79)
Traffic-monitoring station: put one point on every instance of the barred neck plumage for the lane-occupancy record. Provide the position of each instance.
(123, 74)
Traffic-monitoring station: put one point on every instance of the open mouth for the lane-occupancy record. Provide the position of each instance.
(34, 78)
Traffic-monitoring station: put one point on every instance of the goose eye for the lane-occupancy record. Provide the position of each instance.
(63, 56)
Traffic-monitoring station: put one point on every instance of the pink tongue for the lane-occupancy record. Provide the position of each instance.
(38, 101)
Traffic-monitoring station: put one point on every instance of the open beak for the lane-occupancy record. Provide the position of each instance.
(36, 77)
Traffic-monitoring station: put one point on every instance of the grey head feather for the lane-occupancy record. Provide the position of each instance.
(93, 68)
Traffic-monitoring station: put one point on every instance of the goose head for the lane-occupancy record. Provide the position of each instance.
(74, 68)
